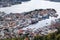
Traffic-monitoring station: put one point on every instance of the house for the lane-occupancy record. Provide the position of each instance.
(6, 3)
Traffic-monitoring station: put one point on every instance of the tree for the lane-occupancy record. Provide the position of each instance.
(58, 37)
(38, 37)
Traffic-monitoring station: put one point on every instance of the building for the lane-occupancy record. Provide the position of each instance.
(5, 3)
(55, 0)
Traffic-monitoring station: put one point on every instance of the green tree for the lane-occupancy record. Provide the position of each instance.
(38, 37)
(58, 37)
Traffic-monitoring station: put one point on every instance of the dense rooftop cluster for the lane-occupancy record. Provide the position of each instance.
(11, 24)
(6, 3)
